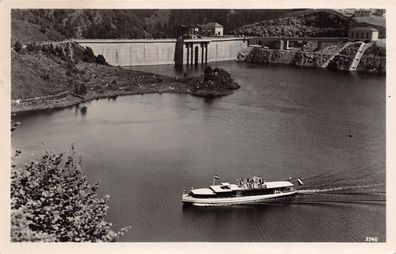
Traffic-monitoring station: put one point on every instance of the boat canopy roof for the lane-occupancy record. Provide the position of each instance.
(224, 187)
(278, 184)
(203, 191)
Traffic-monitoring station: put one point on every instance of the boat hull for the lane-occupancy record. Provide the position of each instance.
(187, 199)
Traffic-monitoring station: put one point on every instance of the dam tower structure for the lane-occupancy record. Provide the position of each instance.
(191, 51)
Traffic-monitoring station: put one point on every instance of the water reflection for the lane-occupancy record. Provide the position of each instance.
(209, 100)
(83, 111)
(113, 98)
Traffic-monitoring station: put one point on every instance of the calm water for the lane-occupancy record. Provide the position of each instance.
(326, 127)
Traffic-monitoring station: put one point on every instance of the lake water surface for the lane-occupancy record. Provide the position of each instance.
(326, 127)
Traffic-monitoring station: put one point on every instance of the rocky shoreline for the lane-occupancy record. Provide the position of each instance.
(219, 84)
(277, 56)
(71, 100)
(48, 77)
(368, 63)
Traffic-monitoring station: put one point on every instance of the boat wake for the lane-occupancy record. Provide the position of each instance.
(364, 185)
(361, 186)
(342, 188)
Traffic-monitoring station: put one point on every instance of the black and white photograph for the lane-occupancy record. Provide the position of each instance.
(197, 125)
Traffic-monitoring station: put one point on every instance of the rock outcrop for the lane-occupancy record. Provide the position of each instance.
(214, 83)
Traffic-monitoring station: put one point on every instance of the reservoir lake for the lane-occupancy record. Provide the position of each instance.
(326, 127)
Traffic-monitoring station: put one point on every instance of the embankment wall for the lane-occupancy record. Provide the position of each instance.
(312, 59)
(277, 56)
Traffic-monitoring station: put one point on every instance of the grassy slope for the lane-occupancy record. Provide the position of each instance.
(28, 75)
(26, 32)
(36, 74)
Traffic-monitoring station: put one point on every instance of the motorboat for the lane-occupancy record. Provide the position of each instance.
(246, 190)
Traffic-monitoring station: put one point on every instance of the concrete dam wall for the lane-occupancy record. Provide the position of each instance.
(225, 49)
(133, 52)
(165, 51)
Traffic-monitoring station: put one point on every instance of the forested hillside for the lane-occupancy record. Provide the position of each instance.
(39, 25)
(309, 23)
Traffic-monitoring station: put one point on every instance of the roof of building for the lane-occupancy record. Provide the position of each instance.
(364, 29)
(212, 25)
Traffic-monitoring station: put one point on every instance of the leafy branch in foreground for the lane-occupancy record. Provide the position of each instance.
(51, 200)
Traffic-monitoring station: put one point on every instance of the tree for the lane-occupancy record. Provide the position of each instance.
(52, 49)
(59, 51)
(17, 46)
(51, 200)
(88, 55)
(100, 60)
(43, 29)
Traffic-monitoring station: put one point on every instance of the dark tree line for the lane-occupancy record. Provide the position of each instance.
(137, 23)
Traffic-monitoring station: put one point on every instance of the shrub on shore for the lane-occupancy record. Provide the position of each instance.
(51, 200)
(376, 51)
(80, 89)
(208, 73)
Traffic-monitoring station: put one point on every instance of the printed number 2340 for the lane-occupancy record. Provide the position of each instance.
(371, 239)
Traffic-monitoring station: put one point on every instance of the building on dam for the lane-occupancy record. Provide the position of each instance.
(363, 34)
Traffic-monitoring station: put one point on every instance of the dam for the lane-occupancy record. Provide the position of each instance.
(134, 52)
